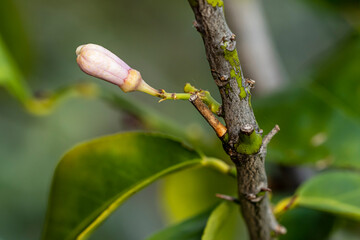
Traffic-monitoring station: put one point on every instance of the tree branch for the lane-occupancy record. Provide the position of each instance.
(243, 141)
(268, 138)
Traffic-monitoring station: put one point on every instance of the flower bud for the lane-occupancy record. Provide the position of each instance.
(101, 63)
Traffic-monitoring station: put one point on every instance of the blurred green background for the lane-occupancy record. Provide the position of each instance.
(301, 40)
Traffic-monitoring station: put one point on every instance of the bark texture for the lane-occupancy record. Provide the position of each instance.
(242, 139)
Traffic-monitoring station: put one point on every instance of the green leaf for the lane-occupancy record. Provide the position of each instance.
(12, 80)
(223, 222)
(14, 35)
(335, 192)
(14, 52)
(189, 229)
(10, 76)
(96, 177)
(345, 229)
(302, 223)
(188, 193)
(49, 100)
(320, 120)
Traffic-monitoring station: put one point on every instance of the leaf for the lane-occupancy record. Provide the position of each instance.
(49, 100)
(320, 120)
(223, 222)
(14, 51)
(12, 79)
(14, 35)
(10, 76)
(188, 193)
(345, 229)
(302, 223)
(336, 192)
(189, 229)
(96, 177)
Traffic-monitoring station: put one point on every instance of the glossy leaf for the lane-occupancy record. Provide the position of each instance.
(48, 101)
(188, 193)
(10, 76)
(12, 80)
(189, 229)
(14, 51)
(14, 35)
(225, 223)
(302, 223)
(96, 177)
(345, 229)
(336, 192)
(320, 120)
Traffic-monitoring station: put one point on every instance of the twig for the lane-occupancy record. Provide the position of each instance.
(227, 198)
(219, 128)
(220, 166)
(270, 135)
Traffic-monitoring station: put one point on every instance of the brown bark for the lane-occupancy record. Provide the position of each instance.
(239, 119)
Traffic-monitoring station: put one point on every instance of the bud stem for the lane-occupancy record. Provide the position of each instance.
(173, 96)
(189, 90)
(161, 93)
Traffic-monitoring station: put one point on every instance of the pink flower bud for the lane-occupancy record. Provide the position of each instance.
(101, 63)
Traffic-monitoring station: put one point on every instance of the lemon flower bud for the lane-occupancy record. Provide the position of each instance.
(99, 62)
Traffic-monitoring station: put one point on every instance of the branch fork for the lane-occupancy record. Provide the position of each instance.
(218, 127)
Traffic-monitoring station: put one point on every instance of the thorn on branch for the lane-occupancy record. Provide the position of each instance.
(269, 136)
(228, 198)
(266, 189)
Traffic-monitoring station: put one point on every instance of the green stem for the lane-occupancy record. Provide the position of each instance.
(205, 96)
(189, 90)
(172, 96)
(220, 166)
(146, 88)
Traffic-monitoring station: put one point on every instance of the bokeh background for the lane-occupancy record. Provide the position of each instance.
(282, 45)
